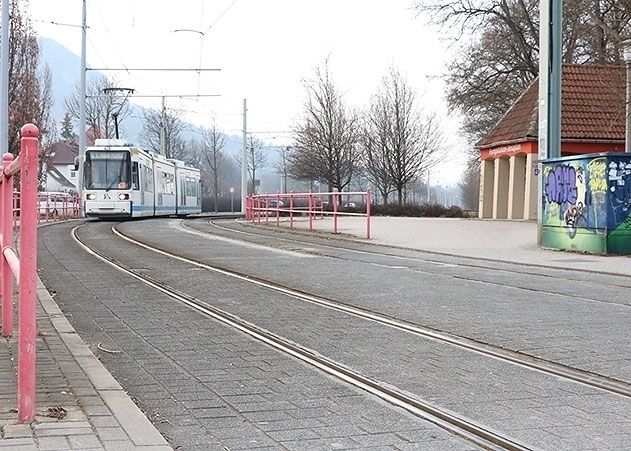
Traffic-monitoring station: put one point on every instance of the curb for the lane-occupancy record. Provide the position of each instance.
(347, 237)
(135, 424)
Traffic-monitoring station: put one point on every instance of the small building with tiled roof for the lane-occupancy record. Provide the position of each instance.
(61, 175)
(592, 120)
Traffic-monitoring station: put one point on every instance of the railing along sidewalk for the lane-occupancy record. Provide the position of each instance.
(57, 206)
(263, 206)
(23, 267)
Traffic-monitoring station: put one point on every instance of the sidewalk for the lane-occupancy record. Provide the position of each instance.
(509, 241)
(79, 405)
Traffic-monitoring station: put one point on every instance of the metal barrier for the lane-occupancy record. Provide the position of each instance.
(261, 207)
(22, 268)
(58, 206)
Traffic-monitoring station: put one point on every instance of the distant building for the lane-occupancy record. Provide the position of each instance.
(60, 173)
(592, 121)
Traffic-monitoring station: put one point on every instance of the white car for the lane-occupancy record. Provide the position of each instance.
(55, 203)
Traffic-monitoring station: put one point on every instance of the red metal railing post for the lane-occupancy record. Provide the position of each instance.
(310, 211)
(28, 267)
(266, 208)
(277, 209)
(335, 197)
(6, 277)
(16, 199)
(291, 210)
(368, 201)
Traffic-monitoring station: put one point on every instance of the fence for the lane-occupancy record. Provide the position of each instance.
(23, 268)
(262, 207)
(57, 206)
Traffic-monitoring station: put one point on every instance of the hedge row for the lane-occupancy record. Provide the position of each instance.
(422, 210)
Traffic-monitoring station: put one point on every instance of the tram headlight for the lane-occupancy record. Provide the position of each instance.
(123, 196)
(91, 196)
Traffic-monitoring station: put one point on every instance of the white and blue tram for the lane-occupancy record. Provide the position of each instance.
(122, 181)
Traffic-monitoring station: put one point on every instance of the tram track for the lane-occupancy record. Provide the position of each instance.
(434, 261)
(471, 431)
(583, 377)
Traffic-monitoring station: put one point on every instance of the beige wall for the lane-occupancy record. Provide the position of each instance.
(500, 188)
(487, 170)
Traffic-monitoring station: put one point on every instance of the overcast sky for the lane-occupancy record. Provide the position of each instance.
(265, 49)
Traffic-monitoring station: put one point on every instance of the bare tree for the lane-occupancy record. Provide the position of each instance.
(169, 122)
(282, 165)
(256, 160)
(400, 142)
(100, 108)
(326, 138)
(486, 77)
(214, 142)
(470, 185)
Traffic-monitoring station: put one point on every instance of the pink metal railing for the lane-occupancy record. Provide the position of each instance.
(260, 207)
(22, 268)
(58, 206)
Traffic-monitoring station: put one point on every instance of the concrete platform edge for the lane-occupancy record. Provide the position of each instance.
(137, 426)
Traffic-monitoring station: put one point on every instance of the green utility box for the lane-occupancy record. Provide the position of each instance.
(587, 203)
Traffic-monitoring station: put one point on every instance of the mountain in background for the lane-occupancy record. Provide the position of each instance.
(65, 67)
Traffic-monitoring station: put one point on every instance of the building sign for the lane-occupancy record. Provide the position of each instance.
(503, 151)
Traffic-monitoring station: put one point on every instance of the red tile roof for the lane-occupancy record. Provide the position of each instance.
(592, 108)
(62, 153)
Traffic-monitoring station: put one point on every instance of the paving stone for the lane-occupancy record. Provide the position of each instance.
(52, 443)
(84, 442)
(10, 431)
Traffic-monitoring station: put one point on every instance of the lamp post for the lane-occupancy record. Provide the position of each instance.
(626, 55)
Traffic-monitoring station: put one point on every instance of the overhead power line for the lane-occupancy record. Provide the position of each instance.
(171, 69)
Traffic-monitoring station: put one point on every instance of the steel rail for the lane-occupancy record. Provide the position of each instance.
(579, 271)
(463, 265)
(479, 435)
(576, 375)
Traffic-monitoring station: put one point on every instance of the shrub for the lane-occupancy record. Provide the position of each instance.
(422, 210)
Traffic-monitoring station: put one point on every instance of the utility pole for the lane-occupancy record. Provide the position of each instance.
(163, 143)
(4, 80)
(244, 161)
(626, 56)
(550, 48)
(82, 106)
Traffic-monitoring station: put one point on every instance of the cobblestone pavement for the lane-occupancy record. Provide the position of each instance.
(536, 409)
(204, 385)
(79, 405)
(539, 410)
(578, 319)
(516, 306)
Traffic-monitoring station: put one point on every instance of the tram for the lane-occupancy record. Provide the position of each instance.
(122, 181)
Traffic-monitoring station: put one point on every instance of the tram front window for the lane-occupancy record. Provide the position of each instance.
(107, 170)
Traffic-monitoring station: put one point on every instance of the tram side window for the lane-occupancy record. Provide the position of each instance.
(170, 186)
(134, 176)
(147, 179)
(191, 187)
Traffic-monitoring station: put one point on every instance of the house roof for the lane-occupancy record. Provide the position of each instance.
(62, 153)
(592, 108)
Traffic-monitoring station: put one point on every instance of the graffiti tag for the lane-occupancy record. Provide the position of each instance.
(597, 169)
(561, 184)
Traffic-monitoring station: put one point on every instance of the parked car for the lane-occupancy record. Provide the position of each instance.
(55, 203)
(276, 203)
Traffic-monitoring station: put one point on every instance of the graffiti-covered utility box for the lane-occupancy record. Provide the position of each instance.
(587, 203)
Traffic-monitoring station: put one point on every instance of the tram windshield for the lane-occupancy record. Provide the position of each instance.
(107, 169)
